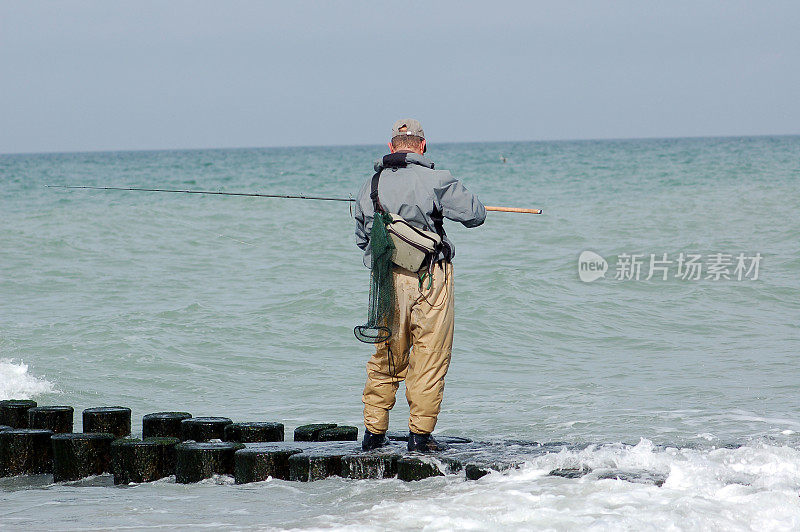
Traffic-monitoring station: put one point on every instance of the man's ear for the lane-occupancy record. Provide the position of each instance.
(391, 148)
(424, 146)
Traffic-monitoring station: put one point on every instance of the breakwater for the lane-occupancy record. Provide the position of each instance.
(37, 440)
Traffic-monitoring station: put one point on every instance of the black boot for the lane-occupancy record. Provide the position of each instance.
(424, 443)
(373, 441)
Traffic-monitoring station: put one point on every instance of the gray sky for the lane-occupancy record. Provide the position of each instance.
(103, 75)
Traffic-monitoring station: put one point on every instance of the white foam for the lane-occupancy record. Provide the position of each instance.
(754, 487)
(17, 383)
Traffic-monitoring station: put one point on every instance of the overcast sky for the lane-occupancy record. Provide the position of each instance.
(118, 75)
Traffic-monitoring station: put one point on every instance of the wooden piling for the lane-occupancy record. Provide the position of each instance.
(412, 468)
(79, 455)
(25, 452)
(476, 471)
(339, 433)
(163, 424)
(59, 419)
(202, 429)
(114, 420)
(14, 412)
(369, 465)
(255, 464)
(254, 432)
(199, 460)
(135, 460)
(311, 466)
(311, 432)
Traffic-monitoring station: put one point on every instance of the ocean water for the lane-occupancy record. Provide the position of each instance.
(244, 307)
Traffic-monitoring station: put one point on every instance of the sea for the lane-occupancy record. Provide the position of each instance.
(644, 328)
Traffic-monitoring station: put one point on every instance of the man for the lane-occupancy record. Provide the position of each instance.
(419, 349)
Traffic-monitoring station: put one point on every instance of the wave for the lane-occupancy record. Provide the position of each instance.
(607, 487)
(17, 383)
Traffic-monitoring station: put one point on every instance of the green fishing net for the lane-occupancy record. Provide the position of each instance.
(381, 287)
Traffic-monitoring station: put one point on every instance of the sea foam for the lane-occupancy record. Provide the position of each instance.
(17, 383)
(752, 487)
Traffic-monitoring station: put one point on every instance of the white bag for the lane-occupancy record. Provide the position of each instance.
(411, 245)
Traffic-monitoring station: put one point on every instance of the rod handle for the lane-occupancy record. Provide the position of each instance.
(514, 209)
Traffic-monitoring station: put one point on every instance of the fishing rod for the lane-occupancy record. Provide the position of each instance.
(259, 195)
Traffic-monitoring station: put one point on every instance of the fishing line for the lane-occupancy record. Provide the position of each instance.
(180, 222)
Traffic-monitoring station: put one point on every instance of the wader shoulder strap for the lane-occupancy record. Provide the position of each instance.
(393, 160)
(438, 226)
(373, 195)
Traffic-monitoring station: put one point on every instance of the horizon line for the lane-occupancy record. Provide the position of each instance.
(359, 145)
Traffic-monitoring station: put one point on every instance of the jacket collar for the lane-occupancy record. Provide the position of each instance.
(402, 159)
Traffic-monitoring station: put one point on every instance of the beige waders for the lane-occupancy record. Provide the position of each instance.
(420, 352)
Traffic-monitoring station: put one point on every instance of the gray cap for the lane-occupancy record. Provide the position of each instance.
(413, 127)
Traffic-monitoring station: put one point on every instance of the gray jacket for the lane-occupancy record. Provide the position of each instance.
(419, 194)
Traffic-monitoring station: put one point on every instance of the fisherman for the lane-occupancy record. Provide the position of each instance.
(419, 348)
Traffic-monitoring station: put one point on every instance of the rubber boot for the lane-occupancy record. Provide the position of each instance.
(373, 441)
(424, 443)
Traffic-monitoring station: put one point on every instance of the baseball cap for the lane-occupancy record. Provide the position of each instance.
(413, 127)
